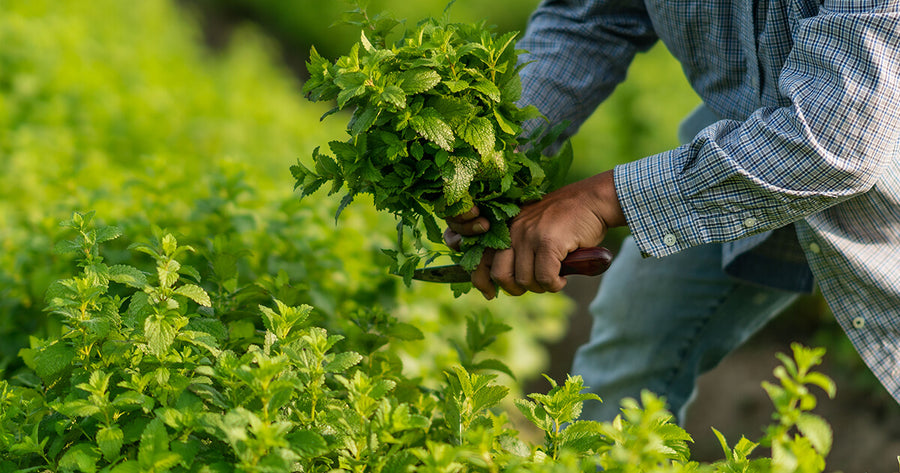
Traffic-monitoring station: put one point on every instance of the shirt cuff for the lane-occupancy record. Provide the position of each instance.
(661, 220)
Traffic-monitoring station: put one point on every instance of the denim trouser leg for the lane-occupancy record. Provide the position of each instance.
(659, 323)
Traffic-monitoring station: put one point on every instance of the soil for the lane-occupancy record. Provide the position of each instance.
(865, 420)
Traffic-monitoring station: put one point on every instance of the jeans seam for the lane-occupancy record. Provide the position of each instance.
(689, 341)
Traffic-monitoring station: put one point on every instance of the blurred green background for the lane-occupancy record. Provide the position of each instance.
(186, 115)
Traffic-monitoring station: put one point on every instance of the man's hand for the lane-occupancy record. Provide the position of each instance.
(575, 216)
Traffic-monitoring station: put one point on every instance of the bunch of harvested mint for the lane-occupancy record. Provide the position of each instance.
(435, 129)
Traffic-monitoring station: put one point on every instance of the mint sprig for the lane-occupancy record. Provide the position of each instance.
(435, 129)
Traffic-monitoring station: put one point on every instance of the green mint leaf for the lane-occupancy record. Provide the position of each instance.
(327, 167)
(535, 413)
(404, 331)
(107, 233)
(190, 272)
(319, 86)
(457, 177)
(195, 293)
(395, 96)
(331, 111)
(488, 88)
(200, 339)
(497, 237)
(305, 179)
(66, 247)
(400, 462)
(504, 211)
(350, 80)
(744, 448)
(433, 231)
(408, 268)
(418, 80)
(128, 275)
(582, 437)
(505, 124)
(186, 450)
(495, 365)
(486, 397)
(168, 273)
(471, 258)
(493, 165)
(81, 457)
(154, 454)
(342, 361)
(343, 205)
(130, 466)
(479, 132)
(169, 244)
(212, 326)
(822, 381)
(307, 443)
(817, 431)
(110, 439)
(460, 288)
(394, 147)
(345, 152)
(724, 444)
(676, 439)
(505, 41)
(367, 45)
(529, 112)
(138, 310)
(363, 119)
(348, 94)
(457, 111)
(456, 86)
(52, 359)
(78, 408)
(27, 446)
(431, 126)
(160, 334)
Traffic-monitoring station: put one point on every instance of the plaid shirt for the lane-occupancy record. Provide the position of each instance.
(808, 99)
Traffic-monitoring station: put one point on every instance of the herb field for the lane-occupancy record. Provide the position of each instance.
(168, 302)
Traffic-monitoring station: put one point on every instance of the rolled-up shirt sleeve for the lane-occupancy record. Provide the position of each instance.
(834, 140)
(577, 51)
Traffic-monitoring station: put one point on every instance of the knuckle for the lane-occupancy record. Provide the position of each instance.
(546, 242)
(547, 281)
(501, 277)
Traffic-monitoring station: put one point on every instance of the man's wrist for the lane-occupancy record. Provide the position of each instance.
(609, 209)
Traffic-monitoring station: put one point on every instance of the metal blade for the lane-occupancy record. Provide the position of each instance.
(447, 274)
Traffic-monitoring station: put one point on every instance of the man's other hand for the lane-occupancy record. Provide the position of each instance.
(465, 224)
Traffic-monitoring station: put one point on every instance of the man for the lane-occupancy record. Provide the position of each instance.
(790, 172)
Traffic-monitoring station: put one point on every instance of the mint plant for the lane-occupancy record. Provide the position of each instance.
(435, 129)
(151, 372)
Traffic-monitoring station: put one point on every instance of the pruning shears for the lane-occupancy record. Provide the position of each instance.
(590, 261)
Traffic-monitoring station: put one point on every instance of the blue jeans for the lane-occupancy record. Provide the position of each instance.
(660, 323)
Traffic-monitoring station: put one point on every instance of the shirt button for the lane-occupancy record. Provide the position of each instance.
(814, 247)
(750, 222)
(859, 322)
(669, 239)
